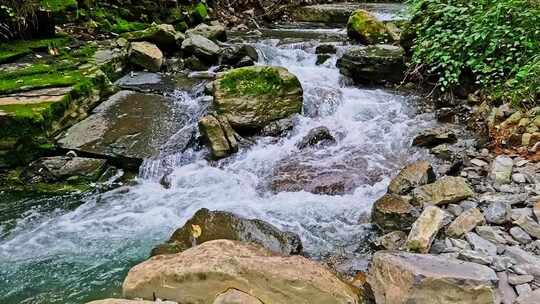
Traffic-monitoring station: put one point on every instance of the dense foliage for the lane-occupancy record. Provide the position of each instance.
(15, 17)
(494, 43)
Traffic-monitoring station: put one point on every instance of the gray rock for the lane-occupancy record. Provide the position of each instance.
(446, 190)
(510, 199)
(481, 245)
(520, 235)
(63, 168)
(529, 298)
(515, 279)
(202, 48)
(523, 290)
(213, 32)
(501, 169)
(521, 256)
(475, 257)
(466, 205)
(278, 127)
(492, 234)
(529, 225)
(502, 263)
(391, 241)
(454, 209)
(497, 213)
(218, 135)
(434, 137)
(320, 136)
(478, 162)
(215, 225)
(518, 213)
(508, 295)
(519, 178)
(399, 278)
(373, 64)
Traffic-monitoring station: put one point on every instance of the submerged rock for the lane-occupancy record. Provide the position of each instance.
(399, 278)
(219, 136)
(200, 273)
(413, 175)
(252, 97)
(373, 64)
(393, 212)
(365, 28)
(215, 225)
(146, 55)
(319, 136)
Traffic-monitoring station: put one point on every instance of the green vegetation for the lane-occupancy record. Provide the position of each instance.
(59, 5)
(366, 28)
(12, 50)
(250, 81)
(493, 45)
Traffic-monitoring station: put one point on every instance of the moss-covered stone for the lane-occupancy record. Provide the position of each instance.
(364, 27)
(12, 50)
(252, 97)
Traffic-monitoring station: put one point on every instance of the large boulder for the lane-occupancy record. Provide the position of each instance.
(447, 190)
(199, 274)
(203, 48)
(393, 212)
(413, 175)
(219, 136)
(252, 97)
(146, 55)
(215, 225)
(400, 278)
(373, 64)
(365, 28)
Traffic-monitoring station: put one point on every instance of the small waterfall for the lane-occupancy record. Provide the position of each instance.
(70, 256)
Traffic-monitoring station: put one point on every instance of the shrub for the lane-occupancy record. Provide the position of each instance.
(494, 42)
(16, 17)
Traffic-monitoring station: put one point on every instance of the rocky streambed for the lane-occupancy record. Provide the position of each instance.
(349, 191)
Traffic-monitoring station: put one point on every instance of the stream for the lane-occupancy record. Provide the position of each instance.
(80, 249)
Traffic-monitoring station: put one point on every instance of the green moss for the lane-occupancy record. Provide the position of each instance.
(12, 50)
(366, 28)
(200, 12)
(122, 26)
(39, 81)
(59, 5)
(256, 81)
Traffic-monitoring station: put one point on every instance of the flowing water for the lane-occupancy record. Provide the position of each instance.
(79, 251)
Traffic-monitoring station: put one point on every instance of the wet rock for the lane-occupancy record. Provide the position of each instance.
(373, 64)
(126, 128)
(219, 136)
(325, 49)
(434, 137)
(319, 136)
(520, 235)
(322, 58)
(62, 168)
(501, 169)
(215, 225)
(391, 241)
(202, 272)
(146, 55)
(424, 229)
(481, 245)
(399, 278)
(202, 48)
(465, 222)
(365, 28)
(446, 190)
(233, 296)
(413, 175)
(532, 297)
(146, 82)
(252, 97)
(497, 213)
(239, 55)
(393, 212)
(278, 127)
(213, 32)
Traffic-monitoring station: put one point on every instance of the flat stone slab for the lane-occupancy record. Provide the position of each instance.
(340, 12)
(126, 128)
(35, 96)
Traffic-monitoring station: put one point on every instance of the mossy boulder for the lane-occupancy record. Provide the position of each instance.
(252, 97)
(215, 225)
(365, 28)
